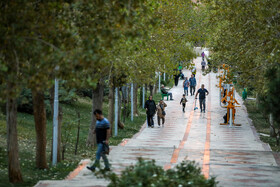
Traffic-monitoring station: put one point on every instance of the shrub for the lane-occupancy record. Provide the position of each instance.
(147, 173)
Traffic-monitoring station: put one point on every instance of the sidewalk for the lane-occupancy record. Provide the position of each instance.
(234, 155)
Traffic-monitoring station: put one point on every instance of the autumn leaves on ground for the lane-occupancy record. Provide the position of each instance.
(93, 47)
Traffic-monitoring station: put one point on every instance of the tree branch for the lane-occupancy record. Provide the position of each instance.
(43, 41)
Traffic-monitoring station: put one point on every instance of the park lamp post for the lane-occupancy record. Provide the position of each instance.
(55, 119)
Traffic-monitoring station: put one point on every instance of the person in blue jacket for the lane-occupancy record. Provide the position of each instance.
(192, 81)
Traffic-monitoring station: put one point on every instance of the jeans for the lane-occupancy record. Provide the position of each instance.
(192, 90)
(150, 120)
(158, 118)
(99, 154)
(170, 94)
(186, 90)
(202, 103)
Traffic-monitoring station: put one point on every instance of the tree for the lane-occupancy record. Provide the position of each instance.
(245, 35)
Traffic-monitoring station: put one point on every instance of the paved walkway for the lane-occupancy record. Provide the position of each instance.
(234, 155)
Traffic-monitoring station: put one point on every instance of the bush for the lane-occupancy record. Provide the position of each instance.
(147, 173)
(25, 103)
(85, 92)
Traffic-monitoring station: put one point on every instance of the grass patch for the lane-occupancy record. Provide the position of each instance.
(261, 123)
(27, 142)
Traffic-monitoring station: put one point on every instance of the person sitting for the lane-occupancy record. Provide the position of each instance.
(164, 91)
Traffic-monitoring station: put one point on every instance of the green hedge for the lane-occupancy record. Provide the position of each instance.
(148, 174)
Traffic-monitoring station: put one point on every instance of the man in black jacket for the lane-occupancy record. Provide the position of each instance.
(150, 107)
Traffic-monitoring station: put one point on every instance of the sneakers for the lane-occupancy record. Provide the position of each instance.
(107, 169)
(91, 168)
(171, 99)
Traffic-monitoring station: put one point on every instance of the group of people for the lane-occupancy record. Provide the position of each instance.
(152, 109)
(102, 128)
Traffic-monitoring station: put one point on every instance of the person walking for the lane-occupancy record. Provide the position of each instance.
(150, 107)
(186, 85)
(161, 112)
(203, 64)
(176, 79)
(203, 55)
(183, 102)
(202, 96)
(103, 132)
(192, 84)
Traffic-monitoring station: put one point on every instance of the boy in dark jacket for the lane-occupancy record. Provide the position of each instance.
(183, 102)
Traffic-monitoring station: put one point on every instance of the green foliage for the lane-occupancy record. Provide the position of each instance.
(27, 143)
(271, 98)
(244, 35)
(261, 123)
(147, 173)
(25, 103)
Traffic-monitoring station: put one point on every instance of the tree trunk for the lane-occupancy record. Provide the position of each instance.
(151, 89)
(60, 116)
(111, 107)
(141, 97)
(120, 123)
(272, 128)
(135, 107)
(146, 92)
(78, 134)
(12, 141)
(97, 101)
(40, 127)
(124, 101)
(155, 89)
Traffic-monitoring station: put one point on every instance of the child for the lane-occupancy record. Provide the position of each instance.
(183, 102)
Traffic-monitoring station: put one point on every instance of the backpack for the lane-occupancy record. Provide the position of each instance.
(186, 83)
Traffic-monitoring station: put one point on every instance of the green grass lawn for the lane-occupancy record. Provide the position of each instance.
(261, 124)
(27, 141)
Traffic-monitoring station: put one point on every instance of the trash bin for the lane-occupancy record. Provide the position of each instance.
(244, 94)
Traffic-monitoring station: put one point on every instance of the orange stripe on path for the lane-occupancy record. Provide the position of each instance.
(176, 152)
(206, 157)
(74, 173)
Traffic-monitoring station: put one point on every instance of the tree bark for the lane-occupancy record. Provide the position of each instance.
(272, 128)
(120, 123)
(155, 89)
(60, 116)
(151, 89)
(40, 127)
(97, 101)
(78, 134)
(111, 106)
(141, 97)
(12, 141)
(135, 107)
(124, 99)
